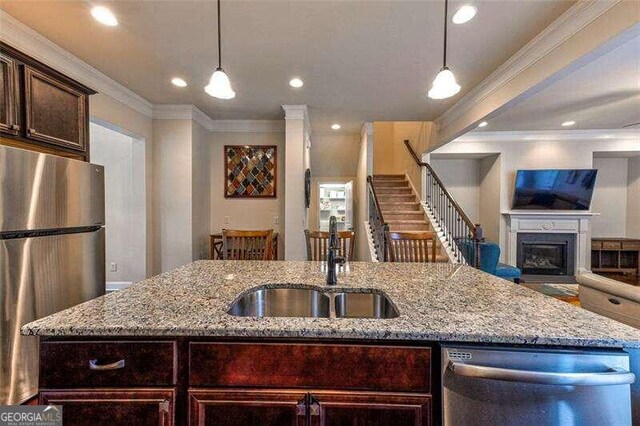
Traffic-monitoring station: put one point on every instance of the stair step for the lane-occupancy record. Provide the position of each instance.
(396, 198)
(408, 225)
(403, 215)
(387, 206)
(399, 190)
(390, 184)
(389, 177)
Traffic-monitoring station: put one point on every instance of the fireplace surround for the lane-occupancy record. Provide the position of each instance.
(577, 224)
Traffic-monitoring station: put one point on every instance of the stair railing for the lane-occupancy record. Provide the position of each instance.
(379, 226)
(461, 234)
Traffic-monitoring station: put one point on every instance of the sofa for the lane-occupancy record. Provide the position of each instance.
(610, 298)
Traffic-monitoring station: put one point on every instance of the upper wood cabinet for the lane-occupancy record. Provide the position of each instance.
(42, 109)
(56, 112)
(9, 96)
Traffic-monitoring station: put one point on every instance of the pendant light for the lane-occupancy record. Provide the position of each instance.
(219, 85)
(444, 85)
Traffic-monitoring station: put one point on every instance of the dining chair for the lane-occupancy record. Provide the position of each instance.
(318, 244)
(411, 246)
(247, 245)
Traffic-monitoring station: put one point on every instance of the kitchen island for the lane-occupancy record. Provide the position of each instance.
(167, 350)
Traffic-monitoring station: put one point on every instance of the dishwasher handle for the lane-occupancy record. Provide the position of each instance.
(615, 376)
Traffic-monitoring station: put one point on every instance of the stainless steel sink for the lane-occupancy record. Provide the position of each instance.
(312, 303)
(364, 305)
(282, 302)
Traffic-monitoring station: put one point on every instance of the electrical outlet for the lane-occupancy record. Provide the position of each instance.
(113, 267)
(227, 220)
(276, 220)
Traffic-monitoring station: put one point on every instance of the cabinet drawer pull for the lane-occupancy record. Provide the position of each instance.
(614, 301)
(15, 127)
(33, 131)
(93, 365)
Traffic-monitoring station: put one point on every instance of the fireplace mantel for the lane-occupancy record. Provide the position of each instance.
(543, 221)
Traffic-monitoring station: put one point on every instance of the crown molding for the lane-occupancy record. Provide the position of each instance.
(248, 126)
(552, 135)
(191, 112)
(577, 17)
(296, 112)
(34, 44)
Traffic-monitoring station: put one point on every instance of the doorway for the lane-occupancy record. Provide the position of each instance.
(335, 199)
(123, 158)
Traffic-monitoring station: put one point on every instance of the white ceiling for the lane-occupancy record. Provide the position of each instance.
(360, 60)
(603, 94)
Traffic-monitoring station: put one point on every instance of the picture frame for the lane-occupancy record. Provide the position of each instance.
(251, 171)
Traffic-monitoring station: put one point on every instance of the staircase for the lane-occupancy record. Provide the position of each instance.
(401, 207)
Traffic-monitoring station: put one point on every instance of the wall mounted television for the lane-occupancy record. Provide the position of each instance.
(554, 189)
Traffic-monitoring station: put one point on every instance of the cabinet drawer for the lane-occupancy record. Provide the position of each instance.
(596, 245)
(611, 245)
(631, 245)
(318, 366)
(107, 364)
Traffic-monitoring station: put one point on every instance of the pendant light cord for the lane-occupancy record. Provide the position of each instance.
(219, 39)
(446, 12)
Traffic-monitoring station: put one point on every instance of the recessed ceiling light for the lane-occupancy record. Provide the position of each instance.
(177, 81)
(104, 16)
(568, 123)
(296, 82)
(464, 14)
(336, 126)
(483, 124)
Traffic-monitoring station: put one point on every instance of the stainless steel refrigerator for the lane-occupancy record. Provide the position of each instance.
(51, 253)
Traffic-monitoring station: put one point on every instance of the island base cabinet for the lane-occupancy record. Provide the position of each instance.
(140, 407)
(299, 408)
(369, 408)
(247, 407)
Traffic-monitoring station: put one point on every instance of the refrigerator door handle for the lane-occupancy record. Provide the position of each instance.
(614, 375)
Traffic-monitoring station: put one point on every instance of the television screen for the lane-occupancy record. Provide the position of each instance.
(554, 189)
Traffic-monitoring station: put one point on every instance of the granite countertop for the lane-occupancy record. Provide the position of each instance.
(436, 302)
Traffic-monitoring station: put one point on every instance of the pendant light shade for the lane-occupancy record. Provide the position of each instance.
(445, 84)
(219, 85)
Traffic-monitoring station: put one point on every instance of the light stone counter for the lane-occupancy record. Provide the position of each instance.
(436, 302)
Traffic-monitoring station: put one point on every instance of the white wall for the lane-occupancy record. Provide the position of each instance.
(173, 193)
(489, 196)
(530, 151)
(245, 213)
(610, 197)
(201, 196)
(335, 154)
(461, 177)
(633, 198)
(364, 169)
(125, 216)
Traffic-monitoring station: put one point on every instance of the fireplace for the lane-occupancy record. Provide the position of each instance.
(546, 253)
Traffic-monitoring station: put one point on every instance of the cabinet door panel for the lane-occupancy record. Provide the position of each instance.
(247, 407)
(114, 407)
(56, 113)
(371, 409)
(9, 95)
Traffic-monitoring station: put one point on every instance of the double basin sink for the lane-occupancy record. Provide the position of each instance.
(312, 303)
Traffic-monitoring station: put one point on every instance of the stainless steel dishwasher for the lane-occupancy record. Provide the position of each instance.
(514, 386)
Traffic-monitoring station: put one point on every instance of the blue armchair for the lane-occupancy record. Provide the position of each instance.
(489, 256)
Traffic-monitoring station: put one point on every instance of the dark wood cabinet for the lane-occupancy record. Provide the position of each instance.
(55, 112)
(208, 382)
(42, 109)
(9, 96)
(369, 408)
(247, 407)
(150, 407)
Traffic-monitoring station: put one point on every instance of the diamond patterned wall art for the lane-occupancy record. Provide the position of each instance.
(250, 170)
